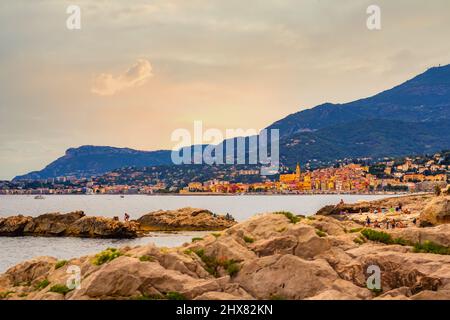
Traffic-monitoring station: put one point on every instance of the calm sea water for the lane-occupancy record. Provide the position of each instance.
(15, 250)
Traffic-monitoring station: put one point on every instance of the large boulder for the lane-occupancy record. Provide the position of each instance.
(184, 219)
(31, 271)
(127, 277)
(436, 212)
(400, 268)
(285, 276)
(98, 227)
(309, 243)
(73, 224)
(227, 248)
(261, 226)
(329, 225)
(13, 226)
(172, 259)
(283, 244)
(52, 224)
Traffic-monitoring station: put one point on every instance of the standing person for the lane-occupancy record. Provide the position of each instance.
(126, 217)
(368, 221)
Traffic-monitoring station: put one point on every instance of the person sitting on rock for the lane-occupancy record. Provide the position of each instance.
(393, 224)
(126, 217)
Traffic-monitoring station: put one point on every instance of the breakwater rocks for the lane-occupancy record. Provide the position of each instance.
(427, 209)
(73, 224)
(185, 219)
(271, 256)
(76, 224)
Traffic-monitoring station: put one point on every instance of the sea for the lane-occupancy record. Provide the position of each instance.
(14, 250)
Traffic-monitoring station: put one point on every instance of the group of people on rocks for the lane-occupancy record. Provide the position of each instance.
(126, 217)
(387, 224)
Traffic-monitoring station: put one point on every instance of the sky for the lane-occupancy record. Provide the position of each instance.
(137, 70)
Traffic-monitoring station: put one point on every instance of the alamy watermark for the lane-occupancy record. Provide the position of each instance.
(73, 21)
(236, 146)
(374, 20)
(374, 280)
(74, 280)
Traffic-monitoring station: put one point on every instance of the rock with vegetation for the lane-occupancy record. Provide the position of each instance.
(409, 203)
(186, 219)
(269, 256)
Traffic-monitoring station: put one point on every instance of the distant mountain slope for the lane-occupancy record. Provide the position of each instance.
(94, 160)
(366, 138)
(411, 118)
(421, 99)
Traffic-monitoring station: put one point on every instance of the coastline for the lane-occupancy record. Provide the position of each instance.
(324, 258)
(220, 194)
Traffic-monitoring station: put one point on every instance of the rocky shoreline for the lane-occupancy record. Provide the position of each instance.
(77, 224)
(270, 256)
(185, 219)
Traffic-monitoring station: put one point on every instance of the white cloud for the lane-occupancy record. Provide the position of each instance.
(106, 84)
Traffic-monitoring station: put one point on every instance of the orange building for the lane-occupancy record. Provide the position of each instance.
(291, 177)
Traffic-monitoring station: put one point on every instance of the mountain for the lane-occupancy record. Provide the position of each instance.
(412, 118)
(87, 161)
(425, 98)
(366, 138)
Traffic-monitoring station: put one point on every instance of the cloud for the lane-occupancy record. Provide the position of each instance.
(106, 84)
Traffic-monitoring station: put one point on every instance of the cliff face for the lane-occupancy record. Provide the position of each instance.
(272, 256)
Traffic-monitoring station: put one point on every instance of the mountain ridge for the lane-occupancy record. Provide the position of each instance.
(410, 118)
(431, 88)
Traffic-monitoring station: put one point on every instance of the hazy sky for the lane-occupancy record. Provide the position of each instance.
(137, 70)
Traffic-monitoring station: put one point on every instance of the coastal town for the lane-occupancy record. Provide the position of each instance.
(356, 176)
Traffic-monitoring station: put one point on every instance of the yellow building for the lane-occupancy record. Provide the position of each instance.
(436, 178)
(291, 177)
(195, 186)
(307, 186)
(413, 177)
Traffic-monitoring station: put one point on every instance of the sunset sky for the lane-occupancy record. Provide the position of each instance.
(137, 70)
